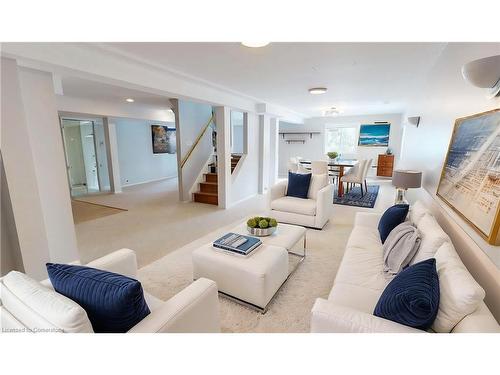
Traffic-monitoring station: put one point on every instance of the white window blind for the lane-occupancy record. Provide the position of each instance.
(342, 140)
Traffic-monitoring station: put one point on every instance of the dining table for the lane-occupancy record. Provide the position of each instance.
(337, 165)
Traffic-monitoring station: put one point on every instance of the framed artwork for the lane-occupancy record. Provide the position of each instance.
(164, 139)
(470, 179)
(374, 135)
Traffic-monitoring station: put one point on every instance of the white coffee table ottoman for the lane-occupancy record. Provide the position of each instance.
(254, 280)
(291, 237)
(251, 280)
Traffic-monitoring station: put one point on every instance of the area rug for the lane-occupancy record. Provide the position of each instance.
(86, 211)
(290, 310)
(354, 197)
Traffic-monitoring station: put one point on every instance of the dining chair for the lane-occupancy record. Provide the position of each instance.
(293, 164)
(367, 169)
(319, 167)
(355, 175)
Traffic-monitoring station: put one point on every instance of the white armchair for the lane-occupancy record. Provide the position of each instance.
(313, 212)
(194, 309)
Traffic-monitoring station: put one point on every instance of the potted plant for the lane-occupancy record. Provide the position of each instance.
(332, 155)
(261, 226)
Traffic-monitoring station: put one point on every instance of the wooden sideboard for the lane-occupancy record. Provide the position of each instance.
(385, 165)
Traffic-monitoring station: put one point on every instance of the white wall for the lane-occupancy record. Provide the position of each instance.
(246, 176)
(46, 142)
(33, 157)
(137, 162)
(10, 252)
(237, 132)
(314, 149)
(444, 97)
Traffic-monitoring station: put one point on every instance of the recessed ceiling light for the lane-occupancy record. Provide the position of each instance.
(130, 100)
(317, 90)
(255, 44)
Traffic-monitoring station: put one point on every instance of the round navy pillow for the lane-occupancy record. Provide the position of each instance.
(412, 297)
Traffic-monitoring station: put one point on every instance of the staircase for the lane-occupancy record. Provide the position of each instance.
(209, 189)
(235, 158)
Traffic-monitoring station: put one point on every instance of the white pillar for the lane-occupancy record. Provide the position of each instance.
(112, 155)
(273, 150)
(35, 169)
(223, 123)
(264, 153)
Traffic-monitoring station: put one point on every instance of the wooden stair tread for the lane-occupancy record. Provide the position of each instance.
(205, 193)
(209, 183)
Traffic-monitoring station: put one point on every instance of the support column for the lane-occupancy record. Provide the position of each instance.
(223, 123)
(112, 156)
(35, 169)
(273, 150)
(264, 124)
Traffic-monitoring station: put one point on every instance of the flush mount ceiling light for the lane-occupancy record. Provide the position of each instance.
(130, 100)
(484, 73)
(317, 90)
(255, 44)
(332, 112)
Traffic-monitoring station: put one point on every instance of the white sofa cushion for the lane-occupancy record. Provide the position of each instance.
(460, 294)
(39, 308)
(363, 263)
(295, 205)
(417, 212)
(432, 238)
(318, 182)
(356, 297)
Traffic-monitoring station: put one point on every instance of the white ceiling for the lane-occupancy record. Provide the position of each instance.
(361, 78)
(87, 89)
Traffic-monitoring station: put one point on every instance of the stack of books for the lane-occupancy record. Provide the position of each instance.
(237, 244)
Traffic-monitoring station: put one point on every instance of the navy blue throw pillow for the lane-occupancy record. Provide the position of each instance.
(114, 303)
(298, 185)
(391, 218)
(412, 297)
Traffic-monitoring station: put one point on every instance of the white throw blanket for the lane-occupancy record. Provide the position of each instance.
(400, 247)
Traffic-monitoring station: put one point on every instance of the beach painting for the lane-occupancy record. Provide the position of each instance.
(374, 135)
(470, 180)
(164, 139)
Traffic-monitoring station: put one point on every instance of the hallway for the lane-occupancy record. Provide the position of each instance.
(155, 222)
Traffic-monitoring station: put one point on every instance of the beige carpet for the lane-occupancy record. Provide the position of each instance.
(155, 222)
(290, 310)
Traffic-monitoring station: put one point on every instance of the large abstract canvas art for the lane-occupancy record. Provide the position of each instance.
(470, 180)
(164, 140)
(374, 135)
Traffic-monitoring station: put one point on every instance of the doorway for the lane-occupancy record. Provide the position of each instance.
(85, 152)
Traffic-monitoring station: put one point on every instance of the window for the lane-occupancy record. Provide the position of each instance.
(342, 139)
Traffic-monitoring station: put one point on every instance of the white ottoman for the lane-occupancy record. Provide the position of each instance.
(250, 280)
(291, 237)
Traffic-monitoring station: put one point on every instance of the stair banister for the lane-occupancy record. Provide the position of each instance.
(198, 139)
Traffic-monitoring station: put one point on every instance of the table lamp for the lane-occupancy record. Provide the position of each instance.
(404, 180)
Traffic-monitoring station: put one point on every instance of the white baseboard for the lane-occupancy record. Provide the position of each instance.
(243, 200)
(149, 181)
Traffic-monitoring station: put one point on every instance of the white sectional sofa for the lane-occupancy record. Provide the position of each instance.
(360, 281)
(36, 308)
